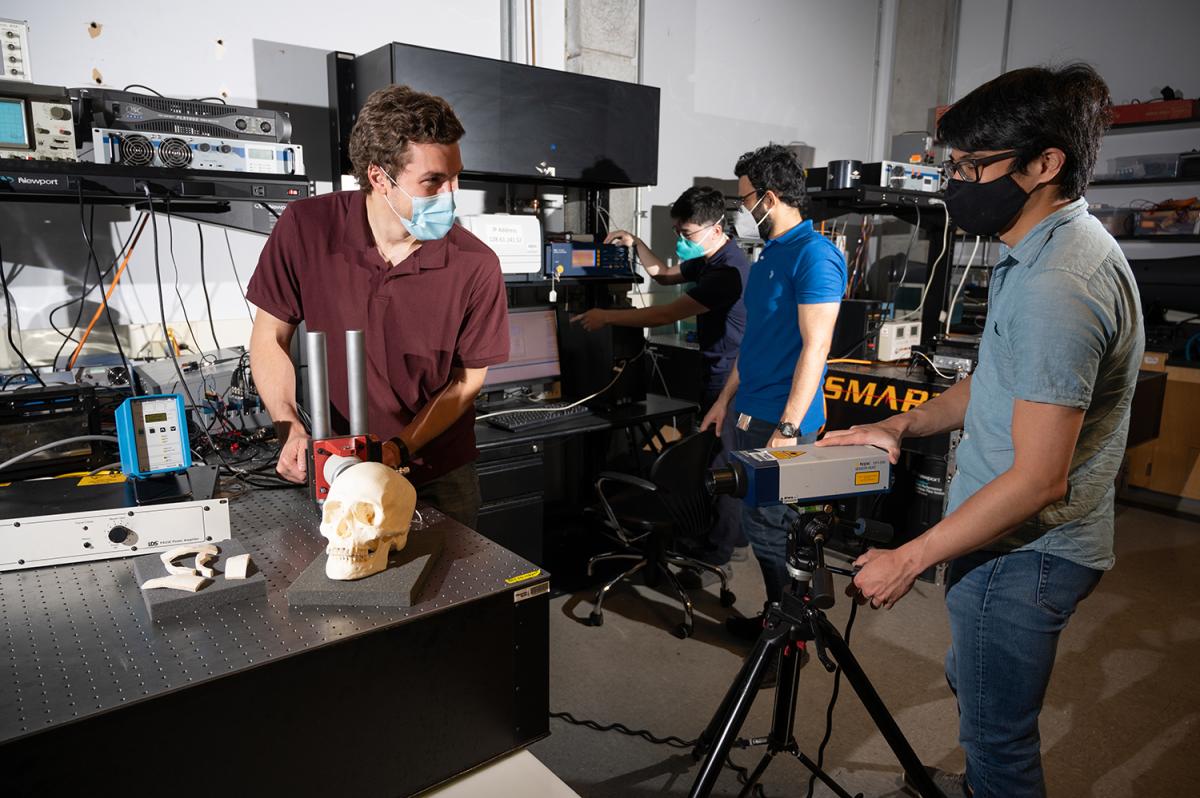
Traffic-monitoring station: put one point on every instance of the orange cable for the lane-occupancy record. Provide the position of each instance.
(107, 295)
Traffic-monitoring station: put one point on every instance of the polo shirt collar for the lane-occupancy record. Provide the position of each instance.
(358, 239)
(1030, 246)
(800, 231)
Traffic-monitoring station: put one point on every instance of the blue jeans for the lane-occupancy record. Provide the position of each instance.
(1006, 614)
(767, 527)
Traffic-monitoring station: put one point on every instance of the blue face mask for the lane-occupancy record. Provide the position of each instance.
(432, 217)
(688, 249)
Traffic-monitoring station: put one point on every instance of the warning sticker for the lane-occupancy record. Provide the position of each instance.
(784, 454)
(866, 478)
(512, 580)
(109, 478)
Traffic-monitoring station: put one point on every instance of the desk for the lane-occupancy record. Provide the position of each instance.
(525, 476)
(261, 699)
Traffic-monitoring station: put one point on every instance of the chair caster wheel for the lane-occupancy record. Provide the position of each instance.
(683, 631)
(727, 598)
(596, 619)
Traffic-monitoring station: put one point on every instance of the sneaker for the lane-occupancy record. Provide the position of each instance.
(952, 785)
(747, 629)
(771, 677)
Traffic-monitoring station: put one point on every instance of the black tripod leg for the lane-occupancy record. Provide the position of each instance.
(837, 789)
(756, 774)
(884, 721)
(722, 730)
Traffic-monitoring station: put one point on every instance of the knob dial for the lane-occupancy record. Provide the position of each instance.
(119, 533)
(240, 124)
(59, 112)
(265, 127)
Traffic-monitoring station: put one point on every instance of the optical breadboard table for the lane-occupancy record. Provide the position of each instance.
(264, 699)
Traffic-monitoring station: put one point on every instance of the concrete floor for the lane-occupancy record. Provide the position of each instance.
(1121, 717)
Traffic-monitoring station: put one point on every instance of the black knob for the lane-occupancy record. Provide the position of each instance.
(225, 148)
(265, 127)
(119, 534)
(203, 147)
(240, 124)
(60, 112)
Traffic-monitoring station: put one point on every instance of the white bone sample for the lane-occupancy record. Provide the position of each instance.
(168, 557)
(205, 571)
(186, 582)
(237, 566)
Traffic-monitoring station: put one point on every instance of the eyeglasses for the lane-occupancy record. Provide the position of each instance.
(742, 197)
(970, 170)
(694, 232)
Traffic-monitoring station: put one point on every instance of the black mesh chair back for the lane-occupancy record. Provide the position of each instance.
(679, 473)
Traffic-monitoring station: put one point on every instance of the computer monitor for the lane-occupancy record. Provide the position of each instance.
(532, 350)
(14, 133)
(1167, 284)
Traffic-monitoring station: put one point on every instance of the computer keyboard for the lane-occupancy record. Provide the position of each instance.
(536, 417)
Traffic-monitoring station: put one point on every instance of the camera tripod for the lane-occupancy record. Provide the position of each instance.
(791, 623)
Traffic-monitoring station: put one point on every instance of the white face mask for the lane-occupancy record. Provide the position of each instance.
(432, 216)
(747, 226)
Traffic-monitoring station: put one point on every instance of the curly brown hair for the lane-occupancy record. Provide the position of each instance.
(393, 117)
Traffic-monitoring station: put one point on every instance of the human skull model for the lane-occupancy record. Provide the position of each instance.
(367, 514)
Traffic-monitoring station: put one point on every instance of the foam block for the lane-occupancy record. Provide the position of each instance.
(222, 591)
(397, 586)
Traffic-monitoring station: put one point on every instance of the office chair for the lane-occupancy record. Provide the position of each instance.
(646, 517)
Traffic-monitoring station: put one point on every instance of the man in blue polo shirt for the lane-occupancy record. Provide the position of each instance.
(792, 300)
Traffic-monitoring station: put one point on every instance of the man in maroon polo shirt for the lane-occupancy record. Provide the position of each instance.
(387, 259)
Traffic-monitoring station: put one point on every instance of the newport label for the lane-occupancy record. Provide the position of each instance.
(42, 182)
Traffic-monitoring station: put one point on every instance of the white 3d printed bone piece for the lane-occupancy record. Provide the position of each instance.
(367, 514)
(237, 566)
(169, 557)
(187, 582)
(205, 571)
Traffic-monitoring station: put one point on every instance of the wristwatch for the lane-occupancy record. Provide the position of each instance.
(787, 429)
(402, 449)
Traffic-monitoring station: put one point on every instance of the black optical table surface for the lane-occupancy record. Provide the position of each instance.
(77, 640)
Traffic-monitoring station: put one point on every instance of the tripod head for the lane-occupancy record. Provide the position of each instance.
(808, 533)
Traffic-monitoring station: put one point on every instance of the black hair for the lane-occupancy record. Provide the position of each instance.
(774, 168)
(1032, 109)
(699, 205)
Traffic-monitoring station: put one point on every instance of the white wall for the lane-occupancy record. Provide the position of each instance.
(270, 51)
(1137, 49)
(735, 76)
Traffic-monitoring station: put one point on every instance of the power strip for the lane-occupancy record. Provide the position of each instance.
(896, 340)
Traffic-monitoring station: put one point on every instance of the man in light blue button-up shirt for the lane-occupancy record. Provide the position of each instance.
(1029, 529)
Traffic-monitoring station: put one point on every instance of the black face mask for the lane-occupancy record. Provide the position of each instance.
(985, 209)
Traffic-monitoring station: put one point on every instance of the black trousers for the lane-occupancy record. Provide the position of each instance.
(456, 494)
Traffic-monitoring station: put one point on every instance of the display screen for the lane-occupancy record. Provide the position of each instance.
(262, 155)
(532, 350)
(583, 257)
(149, 417)
(522, 118)
(13, 132)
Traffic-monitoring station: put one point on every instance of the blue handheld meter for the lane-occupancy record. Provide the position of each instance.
(153, 436)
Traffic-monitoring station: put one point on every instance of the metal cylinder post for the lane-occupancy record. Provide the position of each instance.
(356, 380)
(318, 385)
